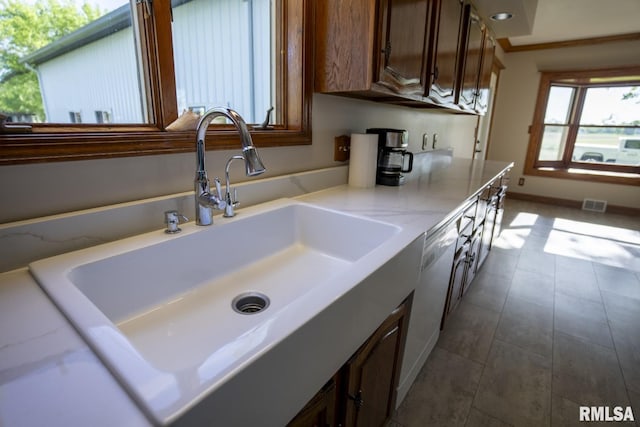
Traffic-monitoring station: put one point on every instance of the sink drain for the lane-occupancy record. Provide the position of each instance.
(250, 303)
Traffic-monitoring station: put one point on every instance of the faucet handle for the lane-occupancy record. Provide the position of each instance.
(232, 202)
(215, 201)
(212, 201)
(218, 187)
(234, 199)
(172, 219)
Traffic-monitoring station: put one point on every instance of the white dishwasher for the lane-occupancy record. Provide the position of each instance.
(428, 303)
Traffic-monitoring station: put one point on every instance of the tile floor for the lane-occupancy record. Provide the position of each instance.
(551, 323)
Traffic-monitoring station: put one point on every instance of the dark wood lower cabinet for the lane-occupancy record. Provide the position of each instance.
(363, 392)
(372, 374)
(475, 240)
(321, 409)
(456, 283)
(473, 258)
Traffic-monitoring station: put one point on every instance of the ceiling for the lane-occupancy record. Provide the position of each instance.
(547, 21)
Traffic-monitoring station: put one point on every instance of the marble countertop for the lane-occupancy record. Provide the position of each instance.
(49, 376)
(430, 196)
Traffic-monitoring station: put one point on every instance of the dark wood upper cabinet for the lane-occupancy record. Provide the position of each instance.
(371, 49)
(344, 45)
(471, 60)
(419, 53)
(484, 83)
(445, 52)
(404, 38)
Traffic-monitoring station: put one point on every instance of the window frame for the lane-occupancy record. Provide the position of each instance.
(566, 168)
(54, 142)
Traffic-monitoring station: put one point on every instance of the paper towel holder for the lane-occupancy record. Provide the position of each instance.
(363, 158)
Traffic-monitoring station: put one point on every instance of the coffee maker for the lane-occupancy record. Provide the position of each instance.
(392, 156)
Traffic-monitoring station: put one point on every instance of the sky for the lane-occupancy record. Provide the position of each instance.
(602, 106)
(107, 5)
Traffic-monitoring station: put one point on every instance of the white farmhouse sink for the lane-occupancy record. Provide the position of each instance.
(158, 308)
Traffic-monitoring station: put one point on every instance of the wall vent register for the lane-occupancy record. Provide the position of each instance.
(594, 205)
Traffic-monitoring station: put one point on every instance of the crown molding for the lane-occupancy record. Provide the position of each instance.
(509, 48)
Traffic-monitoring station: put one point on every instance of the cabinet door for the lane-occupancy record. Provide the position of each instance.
(487, 232)
(345, 50)
(320, 411)
(472, 59)
(403, 45)
(484, 82)
(456, 283)
(372, 373)
(497, 225)
(473, 258)
(443, 58)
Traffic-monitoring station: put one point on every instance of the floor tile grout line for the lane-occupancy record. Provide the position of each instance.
(493, 340)
(475, 304)
(553, 340)
(487, 415)
(586, 342)
(613, 341)
(517, 346)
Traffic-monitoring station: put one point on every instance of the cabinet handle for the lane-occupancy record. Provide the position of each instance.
(357, 399)
(387, 50)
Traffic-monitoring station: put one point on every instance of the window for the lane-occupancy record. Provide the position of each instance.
(587, 126)
(140, 64)
(199, 109)
(103, 117)
(75, 117)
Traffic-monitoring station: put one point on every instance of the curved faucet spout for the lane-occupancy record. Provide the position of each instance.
(253, 163)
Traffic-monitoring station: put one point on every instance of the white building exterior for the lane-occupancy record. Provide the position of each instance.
(100, 76)
(223, 53)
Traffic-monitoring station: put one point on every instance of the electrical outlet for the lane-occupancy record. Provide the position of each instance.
(521, 181)
(341, 148)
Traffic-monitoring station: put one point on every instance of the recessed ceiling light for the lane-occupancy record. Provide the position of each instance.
(502, 16)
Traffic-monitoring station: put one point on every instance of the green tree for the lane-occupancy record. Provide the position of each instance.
(634, 92)
(24, 28)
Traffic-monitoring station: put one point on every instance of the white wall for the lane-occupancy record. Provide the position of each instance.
(29, 191)
(515, 104)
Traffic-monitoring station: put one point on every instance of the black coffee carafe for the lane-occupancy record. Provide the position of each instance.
(393, 158)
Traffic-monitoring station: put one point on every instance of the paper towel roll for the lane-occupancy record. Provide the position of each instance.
(363, 159)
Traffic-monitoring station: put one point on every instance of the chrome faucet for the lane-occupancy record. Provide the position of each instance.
(205, 201)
